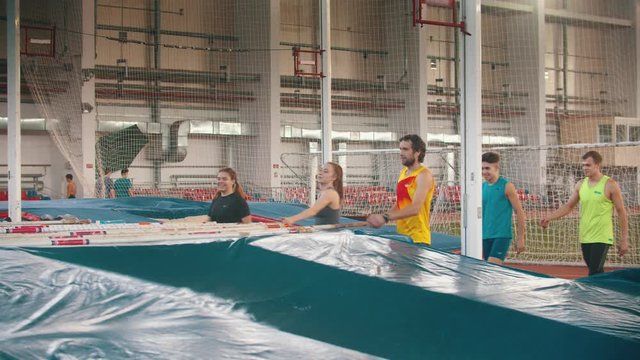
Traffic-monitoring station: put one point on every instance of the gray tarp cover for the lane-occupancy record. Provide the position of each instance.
(320, 295)
(337, 294)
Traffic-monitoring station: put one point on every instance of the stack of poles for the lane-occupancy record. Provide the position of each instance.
(44, 234)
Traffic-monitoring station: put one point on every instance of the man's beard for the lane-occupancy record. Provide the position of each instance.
(408, 162)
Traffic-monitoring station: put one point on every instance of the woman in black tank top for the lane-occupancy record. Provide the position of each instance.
(327, 208)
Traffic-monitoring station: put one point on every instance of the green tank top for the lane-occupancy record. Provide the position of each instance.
(497, 212)
(596, 213)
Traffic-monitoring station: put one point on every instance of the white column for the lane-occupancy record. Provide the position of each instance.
(637, 62)
(325, 44)
(471, 133)
(14, 142)
(263, 114)
(542, 92)
(422, 83)
(274, 96)
(412, 50)
(88, 96)
(637, 69)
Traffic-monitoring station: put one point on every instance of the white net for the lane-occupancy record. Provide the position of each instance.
(587, 104)
(54, 74)
(211, 84)
(195, 77)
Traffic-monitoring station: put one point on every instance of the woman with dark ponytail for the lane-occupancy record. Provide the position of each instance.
(229, 204)
(327, 207)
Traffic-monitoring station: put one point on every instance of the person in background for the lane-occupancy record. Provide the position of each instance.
(71, 187)
(597, 194)
(104, 185)
(499, 201)
(327, 208)
(229, 204)
(414, 193)
(123, 185)
(109, 190)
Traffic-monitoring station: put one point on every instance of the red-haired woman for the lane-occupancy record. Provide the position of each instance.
(327, 207)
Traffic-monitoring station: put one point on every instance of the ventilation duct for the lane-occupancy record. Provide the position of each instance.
(168, 142)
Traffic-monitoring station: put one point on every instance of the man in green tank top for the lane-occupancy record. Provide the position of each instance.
(598, 195)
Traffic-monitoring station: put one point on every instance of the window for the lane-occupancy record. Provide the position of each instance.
(634, 133)
(605, 133)
(621, 133)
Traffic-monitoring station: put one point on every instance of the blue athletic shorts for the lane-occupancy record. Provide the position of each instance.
(495, 248)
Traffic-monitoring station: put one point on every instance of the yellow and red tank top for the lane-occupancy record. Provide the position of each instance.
(417, 227)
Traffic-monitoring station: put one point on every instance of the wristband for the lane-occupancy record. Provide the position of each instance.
(386, 218)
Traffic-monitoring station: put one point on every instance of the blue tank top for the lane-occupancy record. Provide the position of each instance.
(497, 212)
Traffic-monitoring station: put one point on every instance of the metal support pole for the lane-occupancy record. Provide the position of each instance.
(14, 142)
(471, 134)
(155, 102)
(326, 120)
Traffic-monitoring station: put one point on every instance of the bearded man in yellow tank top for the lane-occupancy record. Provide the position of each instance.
(598, 195)
(414, 193)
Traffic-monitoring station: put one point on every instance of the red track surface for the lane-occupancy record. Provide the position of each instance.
(561, 271)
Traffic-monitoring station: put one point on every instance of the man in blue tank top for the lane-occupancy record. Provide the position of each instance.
(499, 201)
